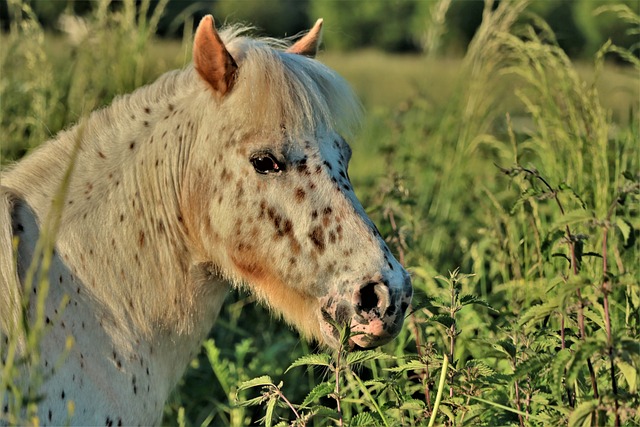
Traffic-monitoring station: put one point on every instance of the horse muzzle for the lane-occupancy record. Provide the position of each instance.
(375, 313)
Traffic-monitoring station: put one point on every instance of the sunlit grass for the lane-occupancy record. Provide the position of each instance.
(515, 163)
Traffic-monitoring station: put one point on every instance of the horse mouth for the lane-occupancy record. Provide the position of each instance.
(366, 329)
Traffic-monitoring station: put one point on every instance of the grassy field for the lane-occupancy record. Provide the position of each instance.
(507, 182)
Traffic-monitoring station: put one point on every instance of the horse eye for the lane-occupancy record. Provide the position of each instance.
(265, 163)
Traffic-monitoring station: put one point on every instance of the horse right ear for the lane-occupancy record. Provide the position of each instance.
(211, 58)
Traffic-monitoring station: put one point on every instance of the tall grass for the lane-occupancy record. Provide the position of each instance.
(109, 56)
(532, 206)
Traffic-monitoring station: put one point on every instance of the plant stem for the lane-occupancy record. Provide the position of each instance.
(576, 269)
(372, 400)
(452, 330)
(337, 388)
(282, 396)
(520, 420)
(424, 374)
(443, 376)
(606, 285)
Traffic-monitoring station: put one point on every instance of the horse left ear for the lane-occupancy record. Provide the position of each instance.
(309, 43)
(211, 58)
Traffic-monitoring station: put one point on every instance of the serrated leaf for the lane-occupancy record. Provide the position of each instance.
(252, 402)
(364, 356)
(630, 375)
(412, 365)
(363, 419)
(268, 417)
(505, 347)
(625, 229)
(325, 412)
(320, 390)
(311, 359)
(595, 317)
(572, 217)
(473, 299)
(260, 381)
(581, 416)
(538, 312)
(444, 319)
(374, 382)
(413, 405)
(447, 411)
(442, 302)
(582, 350)
(558, 372)
(421, 300)
(482, 369)
(549, 240)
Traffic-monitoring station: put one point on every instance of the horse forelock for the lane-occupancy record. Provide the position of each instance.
(277, 89)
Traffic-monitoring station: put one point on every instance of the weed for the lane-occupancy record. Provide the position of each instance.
(545, 331)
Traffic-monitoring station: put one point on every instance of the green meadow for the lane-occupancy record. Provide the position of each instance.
(507, 181)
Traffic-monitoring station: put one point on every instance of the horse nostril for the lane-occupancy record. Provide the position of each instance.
(371, 296)
(368, 297)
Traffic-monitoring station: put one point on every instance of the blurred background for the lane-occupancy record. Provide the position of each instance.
(388, 25)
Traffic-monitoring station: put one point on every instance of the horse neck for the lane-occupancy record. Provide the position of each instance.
(122, 233)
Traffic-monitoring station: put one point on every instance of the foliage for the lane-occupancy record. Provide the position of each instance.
(392, 25)
(536, 200)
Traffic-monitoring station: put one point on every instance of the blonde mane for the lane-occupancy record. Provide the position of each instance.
(274, 89)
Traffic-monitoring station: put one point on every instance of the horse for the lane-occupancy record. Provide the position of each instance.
(231, 172)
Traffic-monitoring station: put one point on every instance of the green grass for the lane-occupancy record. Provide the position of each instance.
(514, 168)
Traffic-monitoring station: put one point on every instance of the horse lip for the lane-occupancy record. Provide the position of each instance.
(360, 319)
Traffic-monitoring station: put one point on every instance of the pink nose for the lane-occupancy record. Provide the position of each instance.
(376, 319)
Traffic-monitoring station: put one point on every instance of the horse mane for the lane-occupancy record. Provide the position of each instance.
(277, 88)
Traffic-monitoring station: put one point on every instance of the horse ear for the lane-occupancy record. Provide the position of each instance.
(211, 59)
(309, 43)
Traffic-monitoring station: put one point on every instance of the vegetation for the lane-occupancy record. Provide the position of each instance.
(394, 26)
(511, 195)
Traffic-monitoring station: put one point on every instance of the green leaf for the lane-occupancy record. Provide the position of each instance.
(365, 356)
(482, 369)
(625, 229)
(252, 402)
(504, 407)
(255, 382)
(324, 412)
(468, 299)
(321, 359)
(583, 350)
(364, 419)
(268, 417)
(548, 242)
(320, 390)
(595, 317)
(413, 405)
(581, 416)
(443, 319)
(538, 312)
(558, 371)
(630, 375)
(421, 300)
(412, 365)
(577, 216)
(506, 347)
